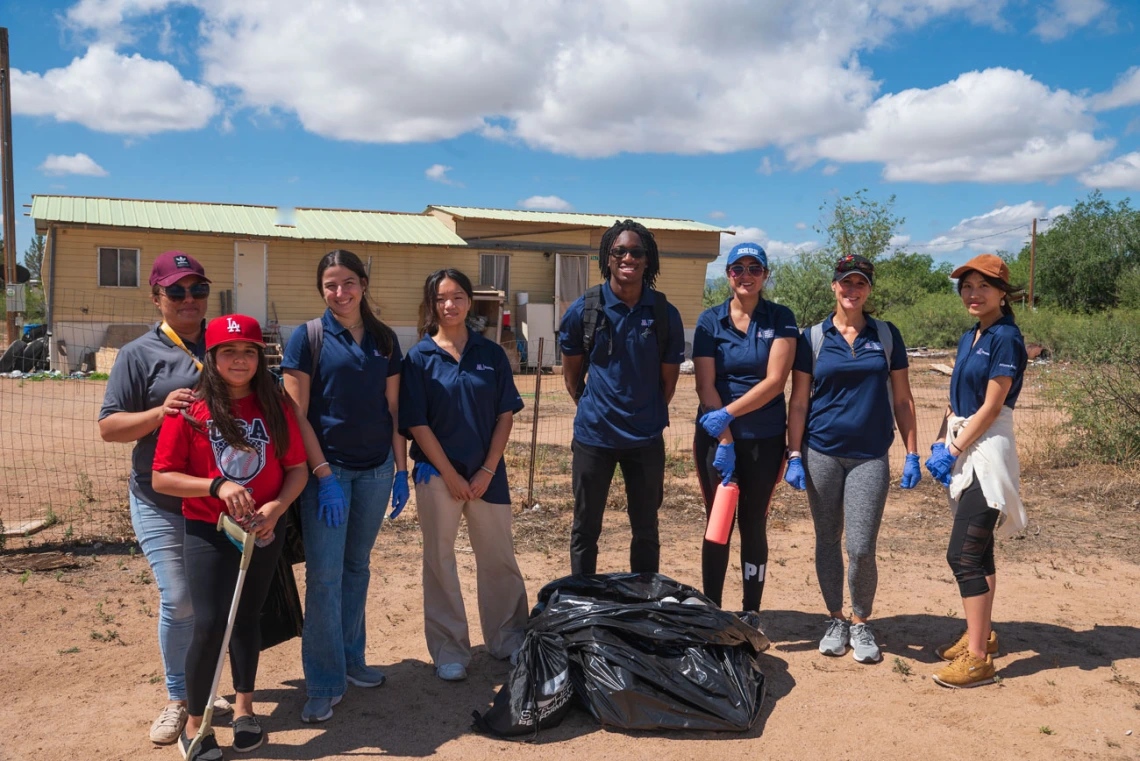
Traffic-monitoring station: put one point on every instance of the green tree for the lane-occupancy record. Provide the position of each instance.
(801, 284)
(716, 291)
(855, 224)
(902, 279)
(34, 256)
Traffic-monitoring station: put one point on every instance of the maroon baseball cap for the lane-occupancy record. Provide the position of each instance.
(172, 266)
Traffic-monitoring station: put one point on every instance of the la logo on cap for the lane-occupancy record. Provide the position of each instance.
(182, 262)
(232, 325)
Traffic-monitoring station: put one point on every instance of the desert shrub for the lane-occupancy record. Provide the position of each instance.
(936, 320)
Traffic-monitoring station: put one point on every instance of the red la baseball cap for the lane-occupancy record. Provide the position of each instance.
(233, 327)
(172, 266)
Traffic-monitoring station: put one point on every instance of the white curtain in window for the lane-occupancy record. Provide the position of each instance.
(495, 271)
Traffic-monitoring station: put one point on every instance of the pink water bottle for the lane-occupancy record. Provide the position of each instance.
(723, 511)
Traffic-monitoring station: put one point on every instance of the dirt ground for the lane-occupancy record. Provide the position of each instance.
(83, 677)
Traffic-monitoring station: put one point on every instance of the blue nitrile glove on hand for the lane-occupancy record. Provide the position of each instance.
(725, 461)
(330, 498)
(941, 462)
(794, 475)
(399, 493)
(423, 471)
(912, 473)
(716, 421)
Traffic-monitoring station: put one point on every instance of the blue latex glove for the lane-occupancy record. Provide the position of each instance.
(794, 475)
(912, 473)
(423, 471)
(331, 500)
(725, 461)
(940, 463)
(716, 421)
(399, 493)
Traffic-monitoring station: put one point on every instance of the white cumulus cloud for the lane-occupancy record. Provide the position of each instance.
(438, 173)
(1126, 92)
(1122, 173)
(546, 203)
(80, 163)
(1006, 227)
(1055, 20)
(775, 249)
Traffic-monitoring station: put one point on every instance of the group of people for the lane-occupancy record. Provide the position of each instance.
(214, 431)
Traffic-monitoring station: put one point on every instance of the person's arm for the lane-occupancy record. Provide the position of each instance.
(127, 427)
(399, 442)
(905, 417)
(571, 372)
(297, 388)
(996, 391)
(705, 371)
(669, 375)
(296, 476)
(433, 450)
(779, 365)
(499, 438)
(798, 409)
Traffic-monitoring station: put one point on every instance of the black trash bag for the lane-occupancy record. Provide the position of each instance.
(13, 355)
(537, 694)
(294, 549)
(35, 356)
(282, 618)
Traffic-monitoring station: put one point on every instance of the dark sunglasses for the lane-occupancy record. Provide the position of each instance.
(637, 252)
(755, 270)
(851, 264)
(198, 291)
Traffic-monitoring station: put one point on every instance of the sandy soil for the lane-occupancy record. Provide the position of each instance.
(83, 678)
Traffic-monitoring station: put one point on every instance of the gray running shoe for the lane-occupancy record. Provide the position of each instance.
(834, 642)
(863, 644)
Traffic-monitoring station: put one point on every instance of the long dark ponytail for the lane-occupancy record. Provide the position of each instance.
(384, 337)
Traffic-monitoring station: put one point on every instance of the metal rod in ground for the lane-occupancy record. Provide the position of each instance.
(534, 425)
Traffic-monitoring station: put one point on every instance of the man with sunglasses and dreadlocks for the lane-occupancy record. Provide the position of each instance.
(622, 346)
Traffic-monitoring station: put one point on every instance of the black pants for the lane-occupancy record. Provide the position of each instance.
(212, 565)
(759, 464)
(643, 469)
(971, 550)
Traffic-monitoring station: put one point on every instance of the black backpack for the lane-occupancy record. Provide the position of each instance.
(594, 317)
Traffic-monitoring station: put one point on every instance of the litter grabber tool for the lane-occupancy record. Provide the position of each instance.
(244, 541)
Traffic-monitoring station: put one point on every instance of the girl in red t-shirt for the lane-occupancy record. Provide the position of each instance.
(236, 449)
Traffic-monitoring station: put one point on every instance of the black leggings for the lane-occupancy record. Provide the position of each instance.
(971, 550)
(759, 464)
(211, 571)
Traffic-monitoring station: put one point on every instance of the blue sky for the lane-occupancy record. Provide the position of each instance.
(978, 115)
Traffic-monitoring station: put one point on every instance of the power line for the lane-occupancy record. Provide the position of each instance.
(966, 240)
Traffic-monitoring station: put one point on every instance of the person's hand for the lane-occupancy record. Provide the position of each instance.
(459, 488)
(912, 473)
(176, 401)
(716, 421)
(330, 500)
(238, 501)
(423, 471)
(725, 461)
(940, 463)
(399, 493)
(794, 474)
(265, 519)
(479, 483)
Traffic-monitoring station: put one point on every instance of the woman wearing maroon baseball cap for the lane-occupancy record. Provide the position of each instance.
(975, 455)
(151, 380)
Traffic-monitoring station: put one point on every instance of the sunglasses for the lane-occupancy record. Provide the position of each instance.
(198, 291)
(738, 270)
(637, 252)
(851, 264)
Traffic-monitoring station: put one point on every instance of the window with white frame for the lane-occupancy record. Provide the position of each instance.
(495, 271)
(119, 267)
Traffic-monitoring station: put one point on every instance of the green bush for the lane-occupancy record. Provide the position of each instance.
(937, 320)
(1128, 289)
(1067, 335)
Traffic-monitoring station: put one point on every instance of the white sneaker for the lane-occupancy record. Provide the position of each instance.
(222, 706)
(168, 726)
(836, 637)
(451, 672)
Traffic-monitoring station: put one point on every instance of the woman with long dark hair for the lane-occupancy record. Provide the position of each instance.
(236, 449)
(457, 403)
(343, 372)
(975, 455)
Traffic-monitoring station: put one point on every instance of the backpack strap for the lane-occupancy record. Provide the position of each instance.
(593, 315)
(661, 323)
(887, 341)
(815, 335)
(315, 330)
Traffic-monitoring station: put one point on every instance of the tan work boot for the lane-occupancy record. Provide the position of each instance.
(950, 652)
(966, 671)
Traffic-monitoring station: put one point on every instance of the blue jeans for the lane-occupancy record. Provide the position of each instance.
(159, 533)
(337, 574)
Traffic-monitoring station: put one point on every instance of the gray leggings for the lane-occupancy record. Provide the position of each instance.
(852, 491)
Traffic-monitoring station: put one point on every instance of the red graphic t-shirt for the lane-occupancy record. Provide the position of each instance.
(205, 454)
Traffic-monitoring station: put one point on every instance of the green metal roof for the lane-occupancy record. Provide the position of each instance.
(573, 218)
(251, 221)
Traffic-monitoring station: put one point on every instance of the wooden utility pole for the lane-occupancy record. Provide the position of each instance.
(1032, 259)
(9, 206)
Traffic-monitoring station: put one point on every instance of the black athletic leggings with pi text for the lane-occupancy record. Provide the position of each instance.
(212, 565)
(971, 550)
(759, 464)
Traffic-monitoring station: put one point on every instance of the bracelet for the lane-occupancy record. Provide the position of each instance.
(215, 485)
(794, 455)
(326, 462)
(485, 469)
(952, 444)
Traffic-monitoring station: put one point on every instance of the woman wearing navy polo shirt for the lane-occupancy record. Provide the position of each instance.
(457, 403)
(976, 456)
(849, 389)
(351, 397)
(743, 351)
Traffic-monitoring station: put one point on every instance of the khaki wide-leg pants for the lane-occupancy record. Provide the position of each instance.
(502, 593)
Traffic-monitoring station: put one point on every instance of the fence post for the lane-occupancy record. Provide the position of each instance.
(534, 425)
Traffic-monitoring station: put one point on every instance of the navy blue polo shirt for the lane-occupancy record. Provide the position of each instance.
(850, 412)
(623, 406)
(347, 405)
(999, 352)
(460, 402)
(742, 361)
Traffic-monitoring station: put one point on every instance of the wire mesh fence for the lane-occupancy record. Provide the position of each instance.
(60, 480)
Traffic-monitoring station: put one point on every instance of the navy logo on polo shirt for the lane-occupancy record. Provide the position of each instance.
(182, 262)
(765, 332)
(481, 366)
(874, 346)
(983, 352)
(241, 465)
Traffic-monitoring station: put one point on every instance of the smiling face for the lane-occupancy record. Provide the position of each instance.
(851, 292)
(236, 362)
(451, 303)
(981, 299)
(625, 268)
(342, 291)
(186, 314)
(750, 281)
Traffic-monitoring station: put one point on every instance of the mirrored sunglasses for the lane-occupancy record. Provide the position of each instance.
(637, 252)
(198, 291)
(755, 270)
